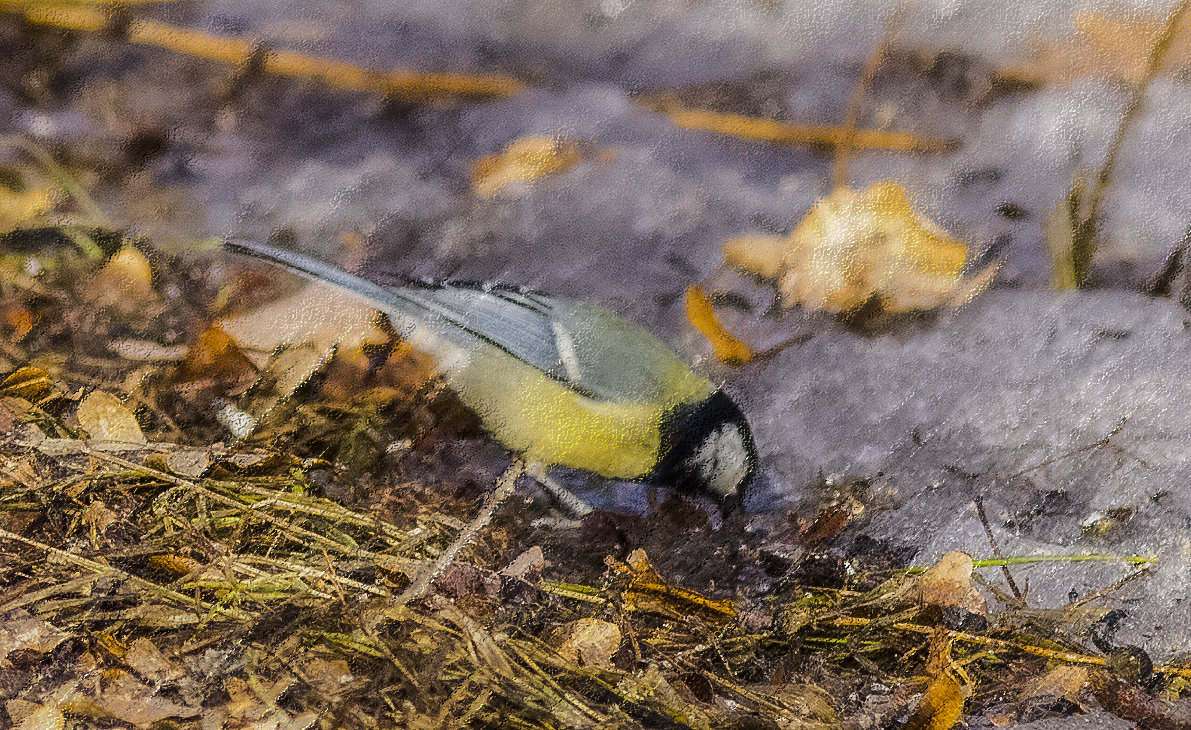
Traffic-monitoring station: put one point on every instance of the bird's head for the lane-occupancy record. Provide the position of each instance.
(707, 448)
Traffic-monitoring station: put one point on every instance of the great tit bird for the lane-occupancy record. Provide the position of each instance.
(565, 383)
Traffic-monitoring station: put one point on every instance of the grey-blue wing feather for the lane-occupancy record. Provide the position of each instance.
(518, 321)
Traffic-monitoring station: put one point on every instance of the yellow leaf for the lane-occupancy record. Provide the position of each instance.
(125, 281)
(108, 422)
(590, 642)
(522, 162)
(28, 382)
(649, 592)
(853, 246)
(760, 254)
(941, 705)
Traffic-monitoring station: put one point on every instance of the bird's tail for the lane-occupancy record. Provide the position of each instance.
(311, 269)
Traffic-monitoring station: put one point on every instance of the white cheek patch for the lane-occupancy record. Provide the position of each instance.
(723, 459)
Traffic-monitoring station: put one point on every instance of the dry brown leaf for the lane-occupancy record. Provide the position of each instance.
(98, 518)
(853, 246)
(1064, 681)
(320, 315)
(190, 463)
(948, 583)
(124, 282)
(144, 658)
(526, 565)
(523, 162)
(941, 705)
(304, 330)
(118, 695)
(589, 642)
(16, 320)
(11, 412)
(21, 470)
(43, 717)
(215, 357)
(108, 422)
(328, 676)
(21, 630)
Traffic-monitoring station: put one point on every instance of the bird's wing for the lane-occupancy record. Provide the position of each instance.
(555, 336)
(519, 321)
(584, 346)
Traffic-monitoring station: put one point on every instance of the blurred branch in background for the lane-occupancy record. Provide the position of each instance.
(757, 129)
(408, 85)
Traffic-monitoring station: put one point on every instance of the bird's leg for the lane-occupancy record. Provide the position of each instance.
(504, 488)
(563, 496)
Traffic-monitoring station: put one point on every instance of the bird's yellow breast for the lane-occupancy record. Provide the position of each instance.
(557, 426)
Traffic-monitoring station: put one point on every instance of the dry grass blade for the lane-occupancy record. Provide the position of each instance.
(1073, 227)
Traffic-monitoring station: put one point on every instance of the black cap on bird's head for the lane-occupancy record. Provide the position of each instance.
(708, 448)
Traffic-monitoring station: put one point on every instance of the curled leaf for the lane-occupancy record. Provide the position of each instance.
(857, 245)
(30, 383)
(948, 583)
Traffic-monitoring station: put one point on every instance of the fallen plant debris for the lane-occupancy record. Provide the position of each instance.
(759, 129)
(856, 246)
(524, 161)
(182, 582)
